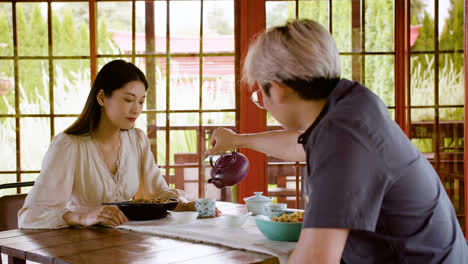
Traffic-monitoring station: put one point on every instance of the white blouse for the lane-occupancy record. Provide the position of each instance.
(75, 178)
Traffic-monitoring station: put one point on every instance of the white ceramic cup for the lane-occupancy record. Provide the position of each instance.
(206, 207)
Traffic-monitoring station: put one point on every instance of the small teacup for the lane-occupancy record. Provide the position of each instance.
(275, 209)
(206, 207)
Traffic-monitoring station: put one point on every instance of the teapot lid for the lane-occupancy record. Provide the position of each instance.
(258, 197)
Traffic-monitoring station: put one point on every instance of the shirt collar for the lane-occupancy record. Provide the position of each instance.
(337, 93)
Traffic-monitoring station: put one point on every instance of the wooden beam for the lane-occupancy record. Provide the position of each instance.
(402, 64)
(252, 119)
(465, 45)
(93, 38)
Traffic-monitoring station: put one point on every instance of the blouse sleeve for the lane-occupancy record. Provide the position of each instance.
(152, 184)
(46, 202)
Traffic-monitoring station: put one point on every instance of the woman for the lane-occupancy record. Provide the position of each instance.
(99, 158)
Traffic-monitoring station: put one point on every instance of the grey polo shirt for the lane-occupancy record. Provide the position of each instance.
(365, 175)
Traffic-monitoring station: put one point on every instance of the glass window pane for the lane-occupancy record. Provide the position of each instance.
(7, 87)
(346, 66)
(278, 12)
(184, 119)
(422, 130)
(185, 26)
(391, 112)
(114, 18)
(25, 177)
(422, 79)
(218, 26)
(422, 114)
(219, 90)
(35, 139)
(380, 78)
(216, 119)
(7, 178)
(71, 86)
(341, 24)
(34, 86)
(160, 23)
(451, 25)
(31, 22)
(7, 144)
(379, 25)
(315, 10)
(452, 114)
(422, 25)
(185, 76)
(271, 121)
(6, 30)
(155, 130)
(142, 122)
(62, 123)
(182, 141)
(451, 79)
(70, 29)
(156, 95)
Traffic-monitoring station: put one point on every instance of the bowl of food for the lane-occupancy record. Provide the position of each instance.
(286, 227)
(185, 217)
(232, 220)
(145, 209)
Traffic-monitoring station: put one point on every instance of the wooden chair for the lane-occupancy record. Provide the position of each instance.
(10, 205)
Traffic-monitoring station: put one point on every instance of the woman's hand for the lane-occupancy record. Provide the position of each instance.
(105, 215)
(185, 206)
(223, 140)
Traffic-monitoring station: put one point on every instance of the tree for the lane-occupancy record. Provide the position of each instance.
(22, 29)
(69, 41)
(57, 35)
(6, 45)
(218, 24)
(452, 36)
(38, 45)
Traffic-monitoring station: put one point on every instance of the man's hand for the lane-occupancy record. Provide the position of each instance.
(223, 140)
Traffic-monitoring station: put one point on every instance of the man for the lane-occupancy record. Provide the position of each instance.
(373, 197)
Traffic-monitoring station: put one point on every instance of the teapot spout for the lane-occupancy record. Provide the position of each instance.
(216, 182)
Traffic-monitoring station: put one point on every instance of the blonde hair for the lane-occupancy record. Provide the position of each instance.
(299, 50)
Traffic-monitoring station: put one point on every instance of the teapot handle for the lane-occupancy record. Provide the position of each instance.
(211, 161)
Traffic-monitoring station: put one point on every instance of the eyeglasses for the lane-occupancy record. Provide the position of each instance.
(257, 96)
(257, 99)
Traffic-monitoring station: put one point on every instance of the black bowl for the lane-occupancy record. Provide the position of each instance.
(140, 211)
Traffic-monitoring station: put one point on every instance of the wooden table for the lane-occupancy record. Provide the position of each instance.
(109, 245)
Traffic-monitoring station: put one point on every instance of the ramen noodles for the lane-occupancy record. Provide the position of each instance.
(153, 201)
(294, 217)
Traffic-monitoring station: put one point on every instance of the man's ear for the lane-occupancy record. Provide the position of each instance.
(100, 97)
(278, 92)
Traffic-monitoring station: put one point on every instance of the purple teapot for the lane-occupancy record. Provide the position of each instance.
(229, 169)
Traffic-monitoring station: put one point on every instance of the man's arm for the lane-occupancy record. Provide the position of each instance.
(280, 144)
(320, 245)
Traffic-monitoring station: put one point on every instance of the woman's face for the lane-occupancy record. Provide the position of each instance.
(124, 106)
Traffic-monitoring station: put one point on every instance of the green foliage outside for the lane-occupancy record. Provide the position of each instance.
(67, 39)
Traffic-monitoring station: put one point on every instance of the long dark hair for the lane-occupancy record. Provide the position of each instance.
(114, 75)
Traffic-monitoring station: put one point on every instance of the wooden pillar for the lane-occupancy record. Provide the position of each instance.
(402, 80)
(465, 45)
(93, 38)
(252, 119)
(356, 41)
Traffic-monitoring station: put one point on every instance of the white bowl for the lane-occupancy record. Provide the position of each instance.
(185, 217)
(231, 220)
